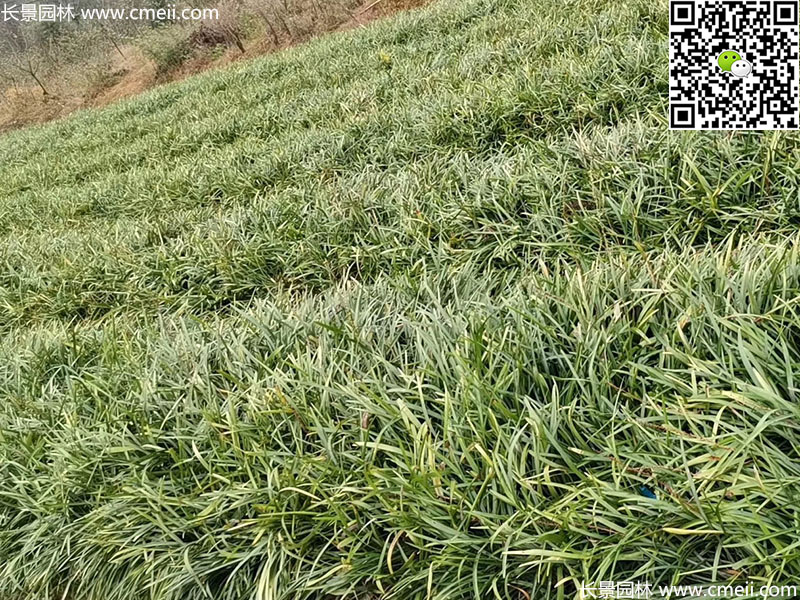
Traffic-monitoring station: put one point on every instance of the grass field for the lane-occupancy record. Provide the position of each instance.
(432, 309)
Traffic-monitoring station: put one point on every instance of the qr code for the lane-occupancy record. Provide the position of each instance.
(733, 64)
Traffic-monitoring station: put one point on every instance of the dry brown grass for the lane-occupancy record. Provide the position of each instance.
(137, 75)
(25, 105)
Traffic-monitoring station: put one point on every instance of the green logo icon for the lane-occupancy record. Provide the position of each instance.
(727, 58)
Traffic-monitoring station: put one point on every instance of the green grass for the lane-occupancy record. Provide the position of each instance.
(332, 324)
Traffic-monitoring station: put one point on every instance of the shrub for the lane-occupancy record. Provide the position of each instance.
(168, 49)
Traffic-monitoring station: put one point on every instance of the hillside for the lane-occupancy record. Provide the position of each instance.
(92, 59)
(437, 308)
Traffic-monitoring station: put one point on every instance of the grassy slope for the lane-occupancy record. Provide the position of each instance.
(412, 326)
